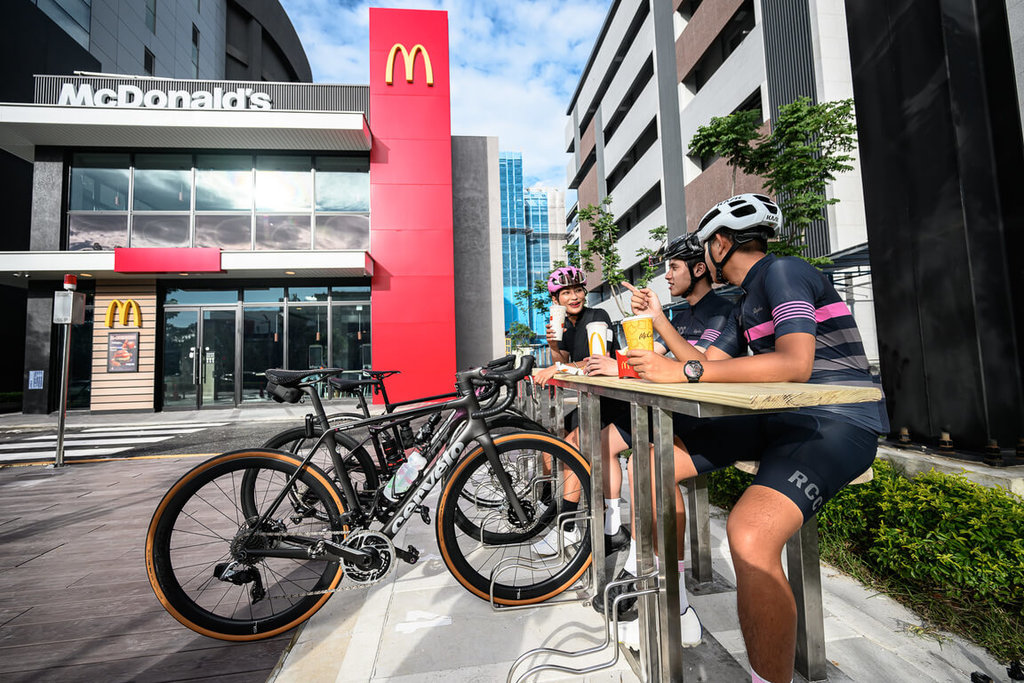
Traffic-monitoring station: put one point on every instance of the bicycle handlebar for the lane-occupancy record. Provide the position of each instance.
(498, 378)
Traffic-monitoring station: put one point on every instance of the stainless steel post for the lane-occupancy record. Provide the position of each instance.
(699, 520)
(590, 447)
(64, 380)
(805, 580)
(671, 648)
(643, 508)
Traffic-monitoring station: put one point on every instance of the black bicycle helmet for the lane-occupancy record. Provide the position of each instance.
(746, 217)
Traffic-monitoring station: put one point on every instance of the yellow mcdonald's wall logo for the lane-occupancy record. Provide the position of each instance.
(126, 308)
(409, 58)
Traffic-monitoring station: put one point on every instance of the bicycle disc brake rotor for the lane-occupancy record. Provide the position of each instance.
(384, 549)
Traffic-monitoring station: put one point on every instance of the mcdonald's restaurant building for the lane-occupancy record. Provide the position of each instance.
(221, 228)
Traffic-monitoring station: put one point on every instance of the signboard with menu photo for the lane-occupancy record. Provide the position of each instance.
(123, 352)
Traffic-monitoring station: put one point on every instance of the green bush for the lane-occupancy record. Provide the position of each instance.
(949, 548)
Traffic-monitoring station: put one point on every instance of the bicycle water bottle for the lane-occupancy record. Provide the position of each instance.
(405, 476)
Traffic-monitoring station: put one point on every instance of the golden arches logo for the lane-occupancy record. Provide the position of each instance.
(409, 57)
(127, 307)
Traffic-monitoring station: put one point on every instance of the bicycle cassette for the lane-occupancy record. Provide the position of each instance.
(383, 549)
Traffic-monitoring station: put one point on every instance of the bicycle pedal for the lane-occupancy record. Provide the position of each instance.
(424, 513)
(410, 555)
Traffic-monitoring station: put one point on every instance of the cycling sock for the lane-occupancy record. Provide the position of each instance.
(630, 565)
(684, 602)
(754, 678)
(571, 507)
(612, 516)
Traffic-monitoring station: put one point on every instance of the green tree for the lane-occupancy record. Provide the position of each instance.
(808, 145)
(651, 256)
(520, 335)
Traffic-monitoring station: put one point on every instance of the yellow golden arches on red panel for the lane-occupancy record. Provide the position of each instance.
(126, 309)
(409, 57)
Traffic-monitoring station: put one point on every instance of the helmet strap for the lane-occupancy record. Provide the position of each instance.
(720, 265)
(694, 278)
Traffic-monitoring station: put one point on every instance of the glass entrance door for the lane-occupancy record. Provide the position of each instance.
(199, 358)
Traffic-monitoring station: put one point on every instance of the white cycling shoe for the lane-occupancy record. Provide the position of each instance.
(689, 627)
(548, 546)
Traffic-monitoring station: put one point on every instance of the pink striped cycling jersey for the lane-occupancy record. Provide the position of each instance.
(786, 295)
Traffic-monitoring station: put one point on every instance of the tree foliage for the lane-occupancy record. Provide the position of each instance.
(808, 145)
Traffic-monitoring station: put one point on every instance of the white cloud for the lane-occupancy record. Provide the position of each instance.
(514, 65)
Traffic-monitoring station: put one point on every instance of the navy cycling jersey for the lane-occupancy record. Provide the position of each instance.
(701, 323)
(787, 295)
(577, 344)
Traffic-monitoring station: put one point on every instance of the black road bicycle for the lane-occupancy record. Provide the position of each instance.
(387, 442)
(252, 543)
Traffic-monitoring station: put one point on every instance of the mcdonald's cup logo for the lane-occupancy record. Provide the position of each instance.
(126, 309)
(409, 59)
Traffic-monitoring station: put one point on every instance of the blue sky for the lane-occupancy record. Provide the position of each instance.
(514, 65)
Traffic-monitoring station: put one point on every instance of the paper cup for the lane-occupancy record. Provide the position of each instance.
(597, 336)
(639, 331)
(557, 320)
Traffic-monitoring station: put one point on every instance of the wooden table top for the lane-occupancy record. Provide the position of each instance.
(747, 396)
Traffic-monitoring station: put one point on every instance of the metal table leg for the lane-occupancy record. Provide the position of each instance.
(671, 650)
(699, 520)
(805, 580)
(590, 446)
(642, 517)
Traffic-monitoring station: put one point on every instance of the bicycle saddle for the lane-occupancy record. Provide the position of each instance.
(380, 374)
(293, 378)
(351, 384)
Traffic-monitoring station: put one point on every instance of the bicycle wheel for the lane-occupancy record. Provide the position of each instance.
(198, 544)
(504, 539)
(361, 470)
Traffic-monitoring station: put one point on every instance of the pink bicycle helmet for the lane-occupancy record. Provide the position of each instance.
(566, 276)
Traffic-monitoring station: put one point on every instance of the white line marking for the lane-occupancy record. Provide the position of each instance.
(170, 425)
(50, 455)
(81, 442)
(420, 620)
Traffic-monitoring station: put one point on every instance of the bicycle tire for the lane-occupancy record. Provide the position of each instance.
(471, 561)
(361, 469)
(197, 530)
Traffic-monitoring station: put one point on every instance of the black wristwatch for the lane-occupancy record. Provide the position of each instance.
(693, 370)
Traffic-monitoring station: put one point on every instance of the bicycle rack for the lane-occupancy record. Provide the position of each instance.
(611, 623)
(510, 563)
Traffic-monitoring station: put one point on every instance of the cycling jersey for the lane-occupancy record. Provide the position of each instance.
(787, 295)
(701, 323)
(577, 344)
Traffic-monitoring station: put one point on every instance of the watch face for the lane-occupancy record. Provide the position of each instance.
(693, 369)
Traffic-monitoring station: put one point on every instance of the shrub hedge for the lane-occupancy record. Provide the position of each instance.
(949, 548)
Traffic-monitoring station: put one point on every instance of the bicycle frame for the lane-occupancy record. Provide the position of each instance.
(473, 429)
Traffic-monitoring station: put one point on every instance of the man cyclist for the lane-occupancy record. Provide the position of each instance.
(697, 326)
(567, 288)
(799, 330)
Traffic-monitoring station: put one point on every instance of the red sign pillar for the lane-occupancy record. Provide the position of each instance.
(412, 290)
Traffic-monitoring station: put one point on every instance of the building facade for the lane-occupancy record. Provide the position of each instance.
(532, 237)
(659, 70)
(223, 227)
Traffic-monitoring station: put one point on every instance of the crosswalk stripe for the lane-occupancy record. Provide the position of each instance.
(130, 441)
(144, 427)
(51, 454)
(114, 435)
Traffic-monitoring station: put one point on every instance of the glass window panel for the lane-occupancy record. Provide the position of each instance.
(342, 184)
(159, 231)
(351, 293)
(307, 294)
(97, 231)
(307, 337)
(282, 232)
(223, 182)
(263, 294)
(350, 337)
(99, 182)
(343, 232)
(163, 182)
(174, 295)
(283, 183)
(227, 232)
(262, 348)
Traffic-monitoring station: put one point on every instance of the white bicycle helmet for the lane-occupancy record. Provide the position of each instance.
(747, 217)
